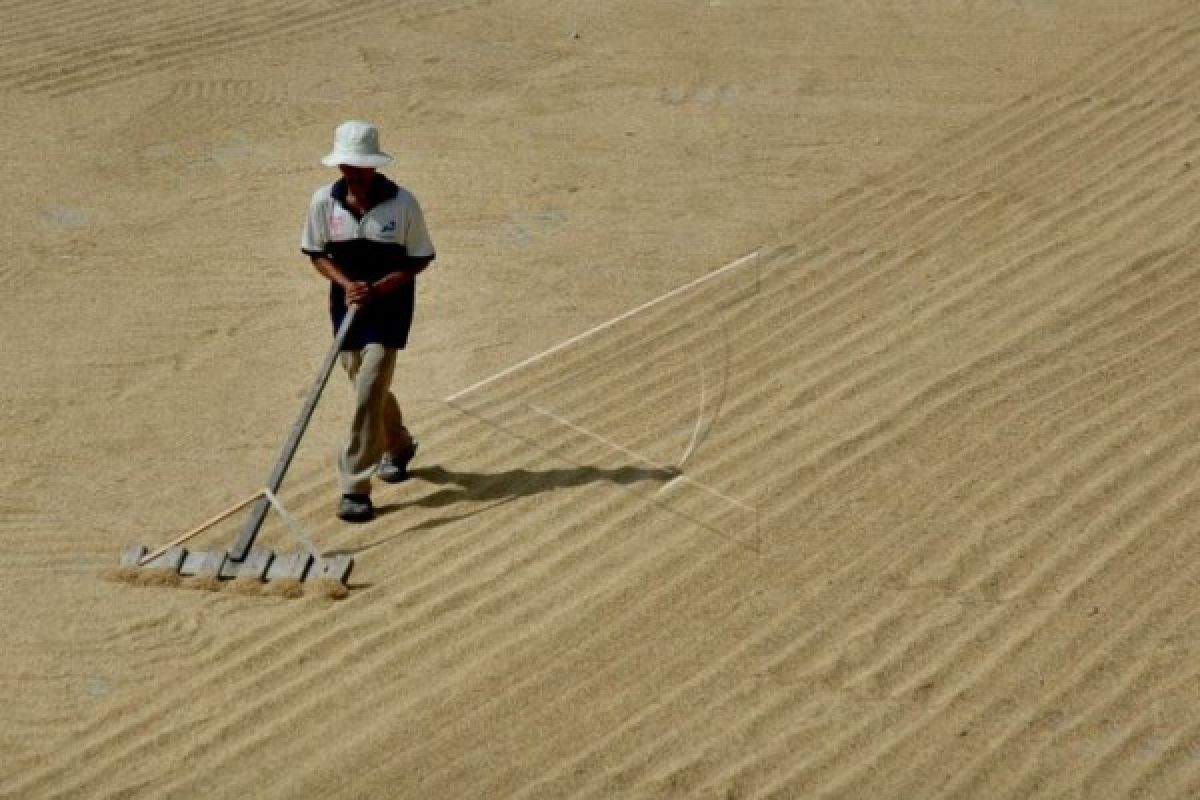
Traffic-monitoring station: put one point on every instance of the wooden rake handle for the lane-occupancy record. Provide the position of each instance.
(250, 530)
(203, 526)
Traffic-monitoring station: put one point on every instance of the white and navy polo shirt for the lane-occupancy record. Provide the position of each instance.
(390, 236)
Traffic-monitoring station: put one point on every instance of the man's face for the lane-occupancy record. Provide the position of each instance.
(358, 178)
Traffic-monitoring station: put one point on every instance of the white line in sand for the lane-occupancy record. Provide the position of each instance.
(293, 524)
(604, 325)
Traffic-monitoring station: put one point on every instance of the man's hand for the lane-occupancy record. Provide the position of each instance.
(357, 292)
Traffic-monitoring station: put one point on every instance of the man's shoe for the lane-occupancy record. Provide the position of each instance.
(356, 508)
(393, 467)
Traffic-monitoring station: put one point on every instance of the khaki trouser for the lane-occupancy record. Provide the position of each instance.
(378, 424)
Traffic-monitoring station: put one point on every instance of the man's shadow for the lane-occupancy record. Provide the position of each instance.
(459, 486)
(500, 488)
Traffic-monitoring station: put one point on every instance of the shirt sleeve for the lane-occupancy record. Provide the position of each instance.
(416, 238)
(316, 228)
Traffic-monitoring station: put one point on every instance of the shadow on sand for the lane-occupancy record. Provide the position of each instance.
(498, 488)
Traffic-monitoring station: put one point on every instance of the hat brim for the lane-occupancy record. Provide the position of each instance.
(357, 160)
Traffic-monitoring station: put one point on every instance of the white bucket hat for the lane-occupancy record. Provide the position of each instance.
(356, 144)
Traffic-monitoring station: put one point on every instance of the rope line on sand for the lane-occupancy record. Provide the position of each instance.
(605, 325)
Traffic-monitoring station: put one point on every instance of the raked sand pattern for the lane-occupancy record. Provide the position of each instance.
(901, 504)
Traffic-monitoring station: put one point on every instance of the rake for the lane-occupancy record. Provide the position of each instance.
(243, 561)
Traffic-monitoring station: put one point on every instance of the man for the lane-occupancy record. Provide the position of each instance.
(367, 236)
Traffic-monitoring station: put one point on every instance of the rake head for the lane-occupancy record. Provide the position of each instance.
(258, 565)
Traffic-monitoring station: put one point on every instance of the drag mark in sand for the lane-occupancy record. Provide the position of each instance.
(75, 46)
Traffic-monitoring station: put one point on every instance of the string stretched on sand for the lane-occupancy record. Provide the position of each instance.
(691, 445)
(605, 325)
(333, 590)
(292, 523)
(700, 431)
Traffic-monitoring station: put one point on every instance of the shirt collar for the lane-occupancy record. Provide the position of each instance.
(382, 190)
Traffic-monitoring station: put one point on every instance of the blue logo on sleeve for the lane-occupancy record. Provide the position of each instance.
(389, 228)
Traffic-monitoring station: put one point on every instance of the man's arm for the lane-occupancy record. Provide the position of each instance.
(356, 291)
(416, 240)
(413, 266)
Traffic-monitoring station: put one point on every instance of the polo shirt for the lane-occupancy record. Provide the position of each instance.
(390, 236)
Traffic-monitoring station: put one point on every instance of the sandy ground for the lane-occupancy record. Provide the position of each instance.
(934, 529)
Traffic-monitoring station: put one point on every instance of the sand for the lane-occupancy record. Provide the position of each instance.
(902, 505)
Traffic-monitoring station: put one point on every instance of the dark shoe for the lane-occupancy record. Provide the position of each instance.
(356, 508)
(393, 467)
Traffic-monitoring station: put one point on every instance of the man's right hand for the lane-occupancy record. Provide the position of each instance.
(357, 292)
